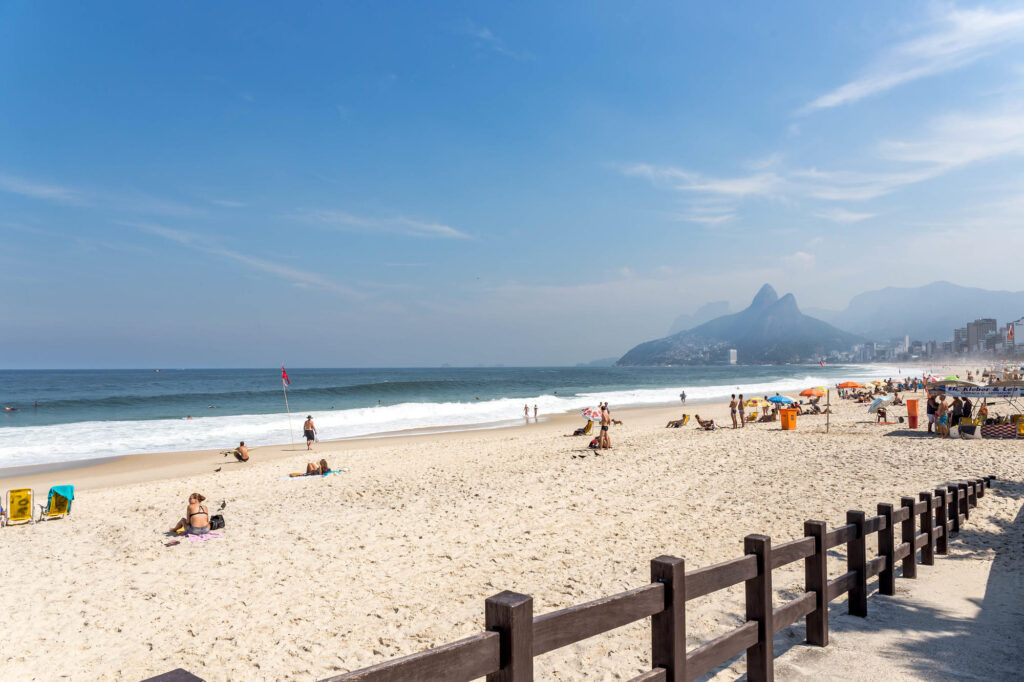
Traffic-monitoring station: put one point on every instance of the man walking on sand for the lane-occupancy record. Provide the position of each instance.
(682, 397)
(739, 405)
(942, 415)
(309, 431)
(732, 410)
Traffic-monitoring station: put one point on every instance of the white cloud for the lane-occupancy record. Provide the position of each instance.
(198, 242)
(486, 38)
(800, 259)
(37, 190)
(342, 220)
(959, 38)
(841, 215)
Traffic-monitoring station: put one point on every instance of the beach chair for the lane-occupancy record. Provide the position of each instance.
(58, 502)
(752, 417)
(19, 506)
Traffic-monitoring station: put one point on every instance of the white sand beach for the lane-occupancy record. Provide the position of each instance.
(315, 576)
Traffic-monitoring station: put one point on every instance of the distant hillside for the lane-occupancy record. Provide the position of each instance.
(924, 313)
(771, 330)
(705, 313)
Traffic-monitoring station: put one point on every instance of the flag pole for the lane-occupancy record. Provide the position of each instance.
(284, 388)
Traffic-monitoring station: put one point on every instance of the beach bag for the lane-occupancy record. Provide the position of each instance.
(593, 444)
(216, 522)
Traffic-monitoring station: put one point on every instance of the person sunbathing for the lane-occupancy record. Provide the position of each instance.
(314, 469)
(197, 517)
(676, 423)
(706, 424)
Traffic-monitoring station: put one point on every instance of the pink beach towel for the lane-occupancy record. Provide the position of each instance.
(204, 537)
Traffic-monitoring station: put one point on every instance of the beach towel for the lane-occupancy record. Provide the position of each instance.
(204, 537)
(301, 476)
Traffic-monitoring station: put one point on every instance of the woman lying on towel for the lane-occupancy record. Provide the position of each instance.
(315, 469)
(197, 517)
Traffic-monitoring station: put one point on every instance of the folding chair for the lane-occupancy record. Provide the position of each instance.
(19, 506)
(58, 502)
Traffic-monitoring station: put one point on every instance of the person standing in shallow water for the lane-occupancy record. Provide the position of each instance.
(309, 431)
(732, 410)
(526, 412)
(534, 413)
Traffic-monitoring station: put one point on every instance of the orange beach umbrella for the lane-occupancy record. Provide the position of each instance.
(812, 392)
(849, 384)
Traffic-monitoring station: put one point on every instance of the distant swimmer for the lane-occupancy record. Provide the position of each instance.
(11, 409)
(35, 403)
(188, 417)
(211, 407)
(309, 431)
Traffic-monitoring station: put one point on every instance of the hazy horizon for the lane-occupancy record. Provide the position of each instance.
(245, 184)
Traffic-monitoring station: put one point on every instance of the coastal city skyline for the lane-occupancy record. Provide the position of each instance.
(412, 187)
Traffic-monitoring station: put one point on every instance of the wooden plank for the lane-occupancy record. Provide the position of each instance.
(941, 534)
(839, 536)
(841, 585)
(561, 628)
(816, 582)
(920, 507)
(668, 626)
(901, 552)
(900, 515)
(928, 529)
(511, 615)
(874, 524)
(656, 675)
(719, 576)
(953, 507)
(758, 592)
(791, 551)
(856, 558)
(909, 535)
(466, 659)
(721, 649)
(886, 540)
(176, 675)
(920, 541)
(791, 612)
(875, 566)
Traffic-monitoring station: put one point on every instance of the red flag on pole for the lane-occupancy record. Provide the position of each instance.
(1009, 333)
(284, 377)
(821, 362)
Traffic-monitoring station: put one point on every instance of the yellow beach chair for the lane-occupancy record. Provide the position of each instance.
(19, 506)
(58, 502)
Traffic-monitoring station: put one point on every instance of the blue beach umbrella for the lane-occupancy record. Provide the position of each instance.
(780, 399)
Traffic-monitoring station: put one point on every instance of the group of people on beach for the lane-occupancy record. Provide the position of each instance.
(943, 415)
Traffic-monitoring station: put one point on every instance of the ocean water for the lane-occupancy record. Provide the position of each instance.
(84, 414)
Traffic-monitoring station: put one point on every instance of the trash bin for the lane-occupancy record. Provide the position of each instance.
(788, 419)
(912, 413)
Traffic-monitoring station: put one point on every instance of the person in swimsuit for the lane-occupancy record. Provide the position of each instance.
(732, 410)
(739, 406)
(314, 469)
(942, 415)
(241, 453)
(604, 440)
(309, 430)
(197, 517)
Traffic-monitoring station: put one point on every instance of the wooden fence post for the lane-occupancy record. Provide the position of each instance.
(856, 550)
(972, 497)
(761, 656)
(964, 501)
(981, 487)
(816, 581)
(668, 628)
(928, 528)
(953, 507)
(941, 542)
(909, 535)
(886, 547)
(511, 614)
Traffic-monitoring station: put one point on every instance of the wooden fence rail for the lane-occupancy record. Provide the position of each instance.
(514, 636)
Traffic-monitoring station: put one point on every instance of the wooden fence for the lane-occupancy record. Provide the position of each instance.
(513, 636)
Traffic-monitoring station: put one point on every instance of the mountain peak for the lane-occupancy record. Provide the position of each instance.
(787, 303)
(765, 297)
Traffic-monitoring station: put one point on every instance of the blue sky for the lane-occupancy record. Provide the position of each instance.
(392, 184)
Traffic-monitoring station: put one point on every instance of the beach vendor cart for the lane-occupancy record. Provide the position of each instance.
(1010, 391)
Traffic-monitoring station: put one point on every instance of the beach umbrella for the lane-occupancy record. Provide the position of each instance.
(850, 384)
(812, 392)
(591, 414)
(755, 402)
(879, 402)
(780, 400)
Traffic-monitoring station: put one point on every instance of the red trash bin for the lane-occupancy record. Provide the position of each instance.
(912, 413)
